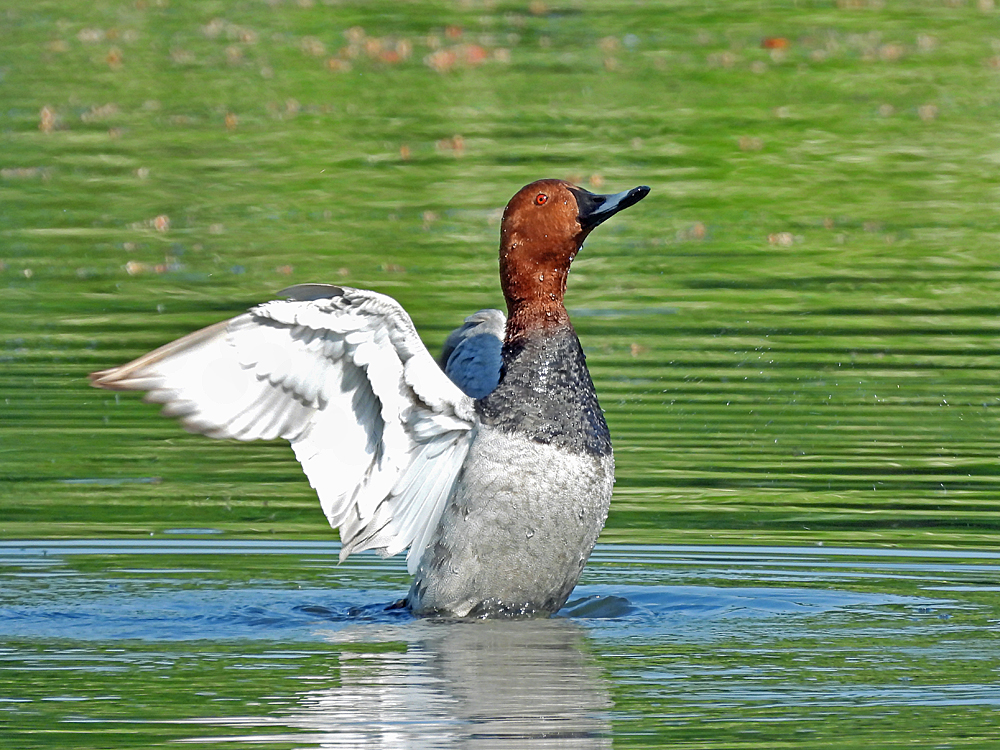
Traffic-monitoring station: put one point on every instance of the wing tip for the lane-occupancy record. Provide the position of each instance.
(125, 378)
(110, 379)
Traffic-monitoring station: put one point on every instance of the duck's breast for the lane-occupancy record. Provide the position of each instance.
(517, 530)
(546, 394)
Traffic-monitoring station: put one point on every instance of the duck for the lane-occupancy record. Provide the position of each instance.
(492, 466)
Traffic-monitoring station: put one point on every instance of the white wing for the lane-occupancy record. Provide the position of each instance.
(379, 429)
(472, 353)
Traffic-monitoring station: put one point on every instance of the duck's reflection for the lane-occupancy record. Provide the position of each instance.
(479, 684)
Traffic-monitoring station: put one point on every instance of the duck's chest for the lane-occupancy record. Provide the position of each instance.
(546, 395)
(542, 443)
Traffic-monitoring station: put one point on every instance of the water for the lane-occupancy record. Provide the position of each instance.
(794, 338)
(270, 643)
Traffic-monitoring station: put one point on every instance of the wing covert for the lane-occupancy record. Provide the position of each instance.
(471, 355)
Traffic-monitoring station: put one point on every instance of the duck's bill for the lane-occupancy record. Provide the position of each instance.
(595, 209)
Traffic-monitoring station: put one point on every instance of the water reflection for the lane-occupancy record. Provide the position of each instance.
(266, 643)
(520, 684)
(443, 684)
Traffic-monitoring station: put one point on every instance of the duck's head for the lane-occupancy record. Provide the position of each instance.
(543, 228)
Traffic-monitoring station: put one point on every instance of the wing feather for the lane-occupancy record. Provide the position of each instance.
(380, 430)
(472, 353)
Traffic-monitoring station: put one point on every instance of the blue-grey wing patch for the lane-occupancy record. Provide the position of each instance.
(471, 354)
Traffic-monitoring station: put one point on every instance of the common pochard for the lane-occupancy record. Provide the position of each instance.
(495, 468)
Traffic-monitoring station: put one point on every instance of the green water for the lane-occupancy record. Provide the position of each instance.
(794, 336)
(153, 642)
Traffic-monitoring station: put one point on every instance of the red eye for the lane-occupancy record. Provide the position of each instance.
(541, 199)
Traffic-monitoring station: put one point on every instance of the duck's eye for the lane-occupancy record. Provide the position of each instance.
(541, 199)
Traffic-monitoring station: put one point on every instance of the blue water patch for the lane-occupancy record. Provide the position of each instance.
(177, 590)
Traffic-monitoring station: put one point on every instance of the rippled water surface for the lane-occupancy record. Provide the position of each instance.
(270, 643)
(794, 338)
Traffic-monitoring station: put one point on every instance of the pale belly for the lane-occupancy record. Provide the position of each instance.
(517, 530)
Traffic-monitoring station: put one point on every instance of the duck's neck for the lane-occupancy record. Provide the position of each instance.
(525, 318)
(534, 292)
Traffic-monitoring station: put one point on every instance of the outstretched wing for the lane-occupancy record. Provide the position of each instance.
(379, 429)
